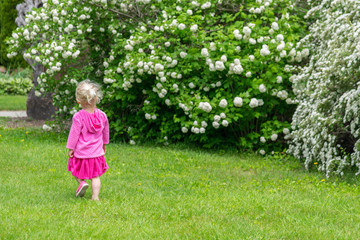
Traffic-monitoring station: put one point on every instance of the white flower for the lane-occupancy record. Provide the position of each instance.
(147, 116)
(173, 74)
(223, 58)
(206, 5)
(204, 52)
(280, 37)
(262, 152)
(215, 124)
(205, 106)
(190, 12)
(279, 79)
(128, 47)
(219, 65)
(212, 46)
(202, 130)
(238, 102)
(248, 74)
(281, 46)
(253, 103)
(222, 115)
(282, 94)
(286, 131)
(195, 130)
(262, 139)
(252, 41)
(106, 64)
(195, 3)
(37, 93)
(305, 52)
(191, 85)
(167, 44)
(223, 103)
(275, 26)
(247, 31)
(274, 137)
(217, 118)
(181, 26)
(264, 50)
(252, 57)
(153, 117)
(183, 54)
(237, 69)
(184, 130)
(204, 124)
(46, 128)
(238, 37)
(159, 67)
(194, 28)
(132, 142)
(262, 88)
(224, 123)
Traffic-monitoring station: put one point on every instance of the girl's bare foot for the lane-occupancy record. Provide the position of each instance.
(95, 199)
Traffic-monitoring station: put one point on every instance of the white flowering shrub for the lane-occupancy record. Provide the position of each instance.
(212, 72)
(326, 122)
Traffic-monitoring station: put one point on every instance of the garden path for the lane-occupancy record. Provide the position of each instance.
(13, 114)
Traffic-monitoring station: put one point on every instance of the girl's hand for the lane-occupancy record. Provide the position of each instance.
(71, 153)
(104, 147)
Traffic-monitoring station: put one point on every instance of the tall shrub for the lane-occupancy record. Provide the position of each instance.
(8, 13)
(213, 72)
(326, 122)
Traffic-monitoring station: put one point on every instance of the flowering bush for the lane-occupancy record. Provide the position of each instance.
(212, 72)
(326, 121)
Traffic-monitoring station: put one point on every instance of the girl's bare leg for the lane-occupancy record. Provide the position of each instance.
(95, 185)
(78, 179)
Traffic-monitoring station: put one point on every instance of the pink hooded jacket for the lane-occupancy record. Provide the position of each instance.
(88, 133)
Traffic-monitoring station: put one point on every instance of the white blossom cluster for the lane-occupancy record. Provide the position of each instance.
(326, 122)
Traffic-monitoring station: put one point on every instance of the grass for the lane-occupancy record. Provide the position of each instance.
(153, 192)
(12, 103)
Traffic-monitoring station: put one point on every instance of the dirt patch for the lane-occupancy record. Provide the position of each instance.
(23, 122)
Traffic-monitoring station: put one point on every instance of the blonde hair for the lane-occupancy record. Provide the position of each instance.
(88, 92)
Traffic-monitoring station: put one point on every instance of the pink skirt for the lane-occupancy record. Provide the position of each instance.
(87, 168)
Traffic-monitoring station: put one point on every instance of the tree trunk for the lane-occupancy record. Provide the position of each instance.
(42, 107)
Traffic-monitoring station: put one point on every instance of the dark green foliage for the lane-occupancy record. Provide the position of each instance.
(8, 13)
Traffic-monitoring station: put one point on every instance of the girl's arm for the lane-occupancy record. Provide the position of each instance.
(71, 153)
(106, 132)
(74, 134)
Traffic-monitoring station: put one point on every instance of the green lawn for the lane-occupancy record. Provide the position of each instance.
(10, 102)
(154, 192)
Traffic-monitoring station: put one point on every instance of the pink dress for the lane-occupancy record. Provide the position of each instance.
(88, 133)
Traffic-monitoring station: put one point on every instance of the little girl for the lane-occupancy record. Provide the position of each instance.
(87, 138)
